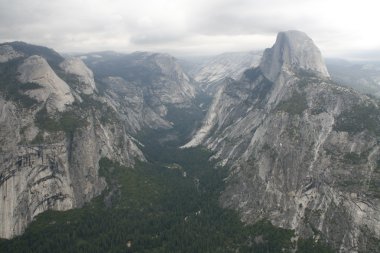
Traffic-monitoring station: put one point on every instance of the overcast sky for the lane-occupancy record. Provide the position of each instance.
(185, 27)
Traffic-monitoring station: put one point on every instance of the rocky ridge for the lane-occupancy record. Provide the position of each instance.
(209, 72)
(361, 76)
(50, 146)
(54, 90)
(292, 50)
(301, 151)
(84, 76)
(155, 82)
(57, 123)
(8, 53)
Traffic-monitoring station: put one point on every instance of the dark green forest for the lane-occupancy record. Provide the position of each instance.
(169, 204)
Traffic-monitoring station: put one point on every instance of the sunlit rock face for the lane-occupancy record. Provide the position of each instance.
(301, 150)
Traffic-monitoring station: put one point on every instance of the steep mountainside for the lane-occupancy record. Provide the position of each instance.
(144, 83)
(57, 122)
(54, 130)
(362, 76)
(211, 71)
(303, 152)
(53, 89)
(81, 75)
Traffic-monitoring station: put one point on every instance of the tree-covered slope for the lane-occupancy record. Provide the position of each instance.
(168, 205)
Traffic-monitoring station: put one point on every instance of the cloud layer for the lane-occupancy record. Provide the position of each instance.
(189, 26)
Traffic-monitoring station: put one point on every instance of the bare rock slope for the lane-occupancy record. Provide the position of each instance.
(52, 136)
(142, 86)
(56, 123)
(304, 153)
(211, 71)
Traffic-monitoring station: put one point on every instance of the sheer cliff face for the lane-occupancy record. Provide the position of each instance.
(50, 147)
(293, 50)
(56, 125)
(154, 81)
(173, 86)
(129, 101)
(54, 91)
(303, 151)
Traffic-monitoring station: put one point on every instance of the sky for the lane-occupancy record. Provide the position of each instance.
(346, 29)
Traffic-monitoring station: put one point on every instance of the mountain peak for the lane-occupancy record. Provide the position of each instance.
(292, 51)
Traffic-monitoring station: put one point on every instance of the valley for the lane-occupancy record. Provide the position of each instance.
(169, 204)
(141, 152)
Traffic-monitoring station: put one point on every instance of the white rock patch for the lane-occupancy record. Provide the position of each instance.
(54, 91)
(76, 66)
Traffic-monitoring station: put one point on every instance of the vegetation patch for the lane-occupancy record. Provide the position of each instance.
(154, 209)
(295, 105)
(350, 183)
(67, 121)
(108, 114)
(359, 118)
(39, 138)
(377, 169)
(185, 119)
(312, 246)
(252, 73)
(374, 188)
(12, 88)
(273, 154)
(29, 86)
(354, 158)
(52, 57)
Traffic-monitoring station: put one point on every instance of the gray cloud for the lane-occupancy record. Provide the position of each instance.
(368, 55)
(187, 26)
(155, 38)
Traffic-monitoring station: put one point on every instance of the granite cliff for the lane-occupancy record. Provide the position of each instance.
(57, 122)
(303, 151)
(49, 167)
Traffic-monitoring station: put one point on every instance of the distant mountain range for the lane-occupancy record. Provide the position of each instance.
(209, 71)
(361, 76)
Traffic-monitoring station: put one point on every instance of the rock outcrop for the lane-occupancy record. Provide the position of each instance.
(129, 101)
(56, 125)
(60, 172)
(142, 86)
(81, 73)
(8, 53)
(53, 90)
(210, 72)
(50, 150)
(292, 51)
(303, 152)
(174, 86)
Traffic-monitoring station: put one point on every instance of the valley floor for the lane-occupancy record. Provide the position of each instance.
(169, 204)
